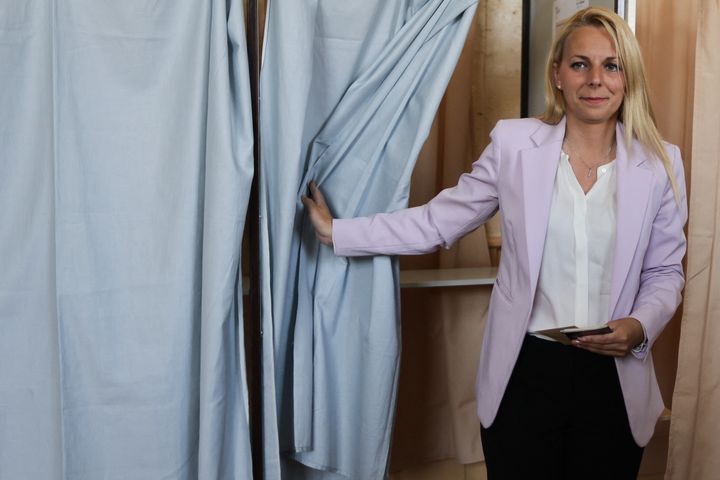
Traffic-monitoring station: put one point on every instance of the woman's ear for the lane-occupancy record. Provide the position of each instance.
(556, 77)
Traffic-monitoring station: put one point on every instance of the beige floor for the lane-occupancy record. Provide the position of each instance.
(445, 470)
(449, 470)
(652, 468)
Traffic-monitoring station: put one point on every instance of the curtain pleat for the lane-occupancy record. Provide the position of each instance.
(442, 327)
(126, 155)
(695, 422)
(351, 88)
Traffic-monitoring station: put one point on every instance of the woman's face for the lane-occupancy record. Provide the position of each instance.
(589, 76)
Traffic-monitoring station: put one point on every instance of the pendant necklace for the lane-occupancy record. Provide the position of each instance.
(590, 169)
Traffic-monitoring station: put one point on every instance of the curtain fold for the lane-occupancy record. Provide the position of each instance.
(353, 88)
(670, 64)
(126, 155)
(442, 327)
(695, 422)
(29, 377)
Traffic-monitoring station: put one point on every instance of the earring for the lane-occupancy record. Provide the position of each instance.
(559, 87)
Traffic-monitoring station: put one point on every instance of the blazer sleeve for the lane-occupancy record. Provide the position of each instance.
(662, 278)
(453, 213)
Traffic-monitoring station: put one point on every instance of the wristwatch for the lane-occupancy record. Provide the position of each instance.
(640, 347)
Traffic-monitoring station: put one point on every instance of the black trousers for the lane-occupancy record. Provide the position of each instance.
(562, 417)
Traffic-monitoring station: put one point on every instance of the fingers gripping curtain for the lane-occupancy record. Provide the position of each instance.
(349, 91)
(126, 159)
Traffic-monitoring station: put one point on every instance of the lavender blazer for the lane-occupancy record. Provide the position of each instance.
(516, 174)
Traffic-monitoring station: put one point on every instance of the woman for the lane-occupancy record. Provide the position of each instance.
(593, 206)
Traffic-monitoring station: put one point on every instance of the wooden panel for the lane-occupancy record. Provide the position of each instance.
(447, 277)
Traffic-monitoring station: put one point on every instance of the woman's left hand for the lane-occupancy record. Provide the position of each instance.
(626, 334)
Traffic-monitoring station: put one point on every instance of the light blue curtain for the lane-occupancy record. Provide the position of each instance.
(125, 166)
(348, 92)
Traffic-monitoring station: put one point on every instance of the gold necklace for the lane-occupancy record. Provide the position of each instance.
(590, 168)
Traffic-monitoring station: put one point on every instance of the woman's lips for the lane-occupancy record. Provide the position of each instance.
(593, 100)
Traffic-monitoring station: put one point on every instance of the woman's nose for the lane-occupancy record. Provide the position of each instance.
(594, 75)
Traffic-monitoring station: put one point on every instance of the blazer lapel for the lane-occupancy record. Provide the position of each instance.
(539, 167)
(633, 192)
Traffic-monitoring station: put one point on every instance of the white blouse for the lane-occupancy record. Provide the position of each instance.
(576, 270)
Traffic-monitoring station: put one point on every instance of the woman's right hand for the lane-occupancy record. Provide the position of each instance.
(319, 213)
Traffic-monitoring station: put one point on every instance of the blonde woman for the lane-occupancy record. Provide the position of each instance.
(593, 206)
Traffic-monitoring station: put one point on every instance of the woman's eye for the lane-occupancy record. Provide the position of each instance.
(612, 67)
(577, 65)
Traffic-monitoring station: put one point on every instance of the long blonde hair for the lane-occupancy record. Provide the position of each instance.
(635, 112)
